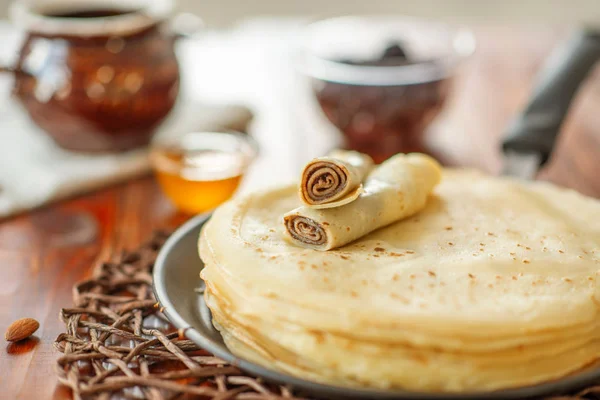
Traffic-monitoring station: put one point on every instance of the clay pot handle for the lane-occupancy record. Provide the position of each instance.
(14, 71)
(11, 70)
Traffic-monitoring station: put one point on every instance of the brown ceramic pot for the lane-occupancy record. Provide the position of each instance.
(96, 79)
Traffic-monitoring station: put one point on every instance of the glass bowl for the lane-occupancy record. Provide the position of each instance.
(381, 80)
(200, 170)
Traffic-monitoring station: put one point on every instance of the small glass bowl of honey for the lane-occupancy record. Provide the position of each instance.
(200, 170)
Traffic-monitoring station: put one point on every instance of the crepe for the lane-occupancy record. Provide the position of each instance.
(421, 336)
(493, 284)
(334, 180)
(396, 189)
(327, 358)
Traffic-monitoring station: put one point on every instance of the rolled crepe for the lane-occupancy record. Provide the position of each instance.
(334, 180)
(397, 189)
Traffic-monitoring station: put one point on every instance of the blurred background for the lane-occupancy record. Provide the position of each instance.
(222, 13)
(90, 100)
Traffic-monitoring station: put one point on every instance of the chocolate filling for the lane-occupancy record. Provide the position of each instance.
(322, 181)
(305, 230)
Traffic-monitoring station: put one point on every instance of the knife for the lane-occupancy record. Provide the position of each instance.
(531, 137)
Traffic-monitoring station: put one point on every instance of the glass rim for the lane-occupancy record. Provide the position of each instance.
(463, 45)
(250, 148)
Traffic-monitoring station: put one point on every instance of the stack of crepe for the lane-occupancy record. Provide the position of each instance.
(493, 284)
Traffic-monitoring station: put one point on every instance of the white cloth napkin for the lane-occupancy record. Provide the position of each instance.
(35, 171)
(252, 63)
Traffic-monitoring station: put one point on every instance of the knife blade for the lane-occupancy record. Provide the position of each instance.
(531, 137)
(521, 165)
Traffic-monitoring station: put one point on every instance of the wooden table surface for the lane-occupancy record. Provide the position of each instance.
(42, 253)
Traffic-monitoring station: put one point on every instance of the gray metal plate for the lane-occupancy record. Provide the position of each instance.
(176, 275)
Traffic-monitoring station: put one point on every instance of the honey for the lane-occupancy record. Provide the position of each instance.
(199, 177)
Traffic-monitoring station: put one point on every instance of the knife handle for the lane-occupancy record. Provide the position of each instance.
(536, 129)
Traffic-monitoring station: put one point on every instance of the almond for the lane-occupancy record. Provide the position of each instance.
(21, 329)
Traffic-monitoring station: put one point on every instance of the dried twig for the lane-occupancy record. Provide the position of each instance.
(112, 347)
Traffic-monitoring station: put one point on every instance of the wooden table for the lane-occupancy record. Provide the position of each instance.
(44, 252)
